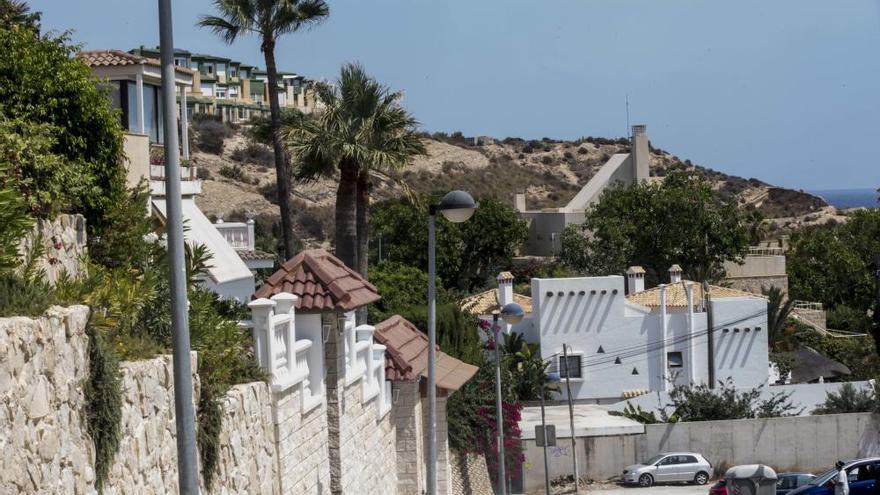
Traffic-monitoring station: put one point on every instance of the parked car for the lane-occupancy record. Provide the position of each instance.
(789, 481)
(863, 476)
(670, 467)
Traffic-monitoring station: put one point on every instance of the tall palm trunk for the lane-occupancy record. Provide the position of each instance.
(346, 208)
(363, 232)
(364, 189)
(282, 172)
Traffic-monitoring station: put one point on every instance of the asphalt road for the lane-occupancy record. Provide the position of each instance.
(626, 490)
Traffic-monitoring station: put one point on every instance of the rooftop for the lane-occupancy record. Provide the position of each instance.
(322, 282)
(676, 295)
(119, 58)
(406, 355)
(486, 302)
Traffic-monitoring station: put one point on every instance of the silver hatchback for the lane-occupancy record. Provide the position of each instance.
(670, 467)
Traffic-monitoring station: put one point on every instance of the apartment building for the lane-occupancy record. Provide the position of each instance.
(234, 91)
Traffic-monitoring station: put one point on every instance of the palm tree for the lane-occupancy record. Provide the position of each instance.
(269, 19)
(362, 129)
(778, 310)
(14, 13)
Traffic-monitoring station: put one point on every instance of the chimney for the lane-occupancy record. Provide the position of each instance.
(674, 274)
(635, 280)
(519, 202)
(640, 153)
(505, 289)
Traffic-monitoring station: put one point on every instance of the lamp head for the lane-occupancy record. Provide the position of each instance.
(512, 313)
(457, 206)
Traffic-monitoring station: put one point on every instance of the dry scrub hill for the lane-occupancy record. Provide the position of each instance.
(550, 172)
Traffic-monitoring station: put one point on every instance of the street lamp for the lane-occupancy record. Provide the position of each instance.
(511, 313)
(457, 207)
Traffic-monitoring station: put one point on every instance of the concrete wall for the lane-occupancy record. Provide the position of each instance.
(64, 244)
(136, 148)
(545, 230)
(592, 312)
(757, 273)
(808, 443)
(407, 416)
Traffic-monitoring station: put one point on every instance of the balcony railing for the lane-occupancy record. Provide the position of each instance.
(239, 235)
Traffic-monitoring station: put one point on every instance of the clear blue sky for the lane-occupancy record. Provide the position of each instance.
(782, 90)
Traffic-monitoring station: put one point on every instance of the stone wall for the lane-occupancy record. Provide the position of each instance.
(302, 444)
(367, 445)
(248, 459)
(64, 245)
(470, 475)
(147, 458)
(44, 447)
(407, 416)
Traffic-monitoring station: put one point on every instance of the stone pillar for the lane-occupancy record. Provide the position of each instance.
(334, 360)
(641, 153)
(184, 123)
(139, 85)
(407, 417)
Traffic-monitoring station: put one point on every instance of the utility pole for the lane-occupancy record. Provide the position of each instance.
(544, 430)
(187, 464)
(710, 332)
(570, 415)
(499, 412)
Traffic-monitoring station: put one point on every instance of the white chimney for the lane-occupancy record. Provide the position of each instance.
(674, 274)
(640, 152)
(505, 289)
(635, 280)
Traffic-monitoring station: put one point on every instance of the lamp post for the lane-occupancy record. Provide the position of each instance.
(552, 377)
(511, 313)
(457, 207)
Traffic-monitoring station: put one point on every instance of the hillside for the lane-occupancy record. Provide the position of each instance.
(550, 172)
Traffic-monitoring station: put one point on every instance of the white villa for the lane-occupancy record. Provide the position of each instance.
(135, 84)
(624, 341)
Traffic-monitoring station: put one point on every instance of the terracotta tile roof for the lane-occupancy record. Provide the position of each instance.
(256, 254)
(322, 282)
(676, 295)
(110, 58)
(486, 302)
(406, 355)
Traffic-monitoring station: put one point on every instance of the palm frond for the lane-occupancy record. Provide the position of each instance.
(226, 30)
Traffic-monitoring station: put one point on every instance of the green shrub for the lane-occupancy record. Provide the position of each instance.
(19, 297)
(210, 135)
(848, 400)
(237, 173)
(103, 403)
(74, 140)
(14, 222)
(254, 152)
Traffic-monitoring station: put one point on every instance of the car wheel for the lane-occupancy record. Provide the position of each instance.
(701, 478)
(646, 480)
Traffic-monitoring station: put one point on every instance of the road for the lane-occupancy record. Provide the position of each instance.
(622, 490)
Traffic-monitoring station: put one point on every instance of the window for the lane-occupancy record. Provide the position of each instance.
(210, 69)
(573, 367)
(674, 360)
(687, 459)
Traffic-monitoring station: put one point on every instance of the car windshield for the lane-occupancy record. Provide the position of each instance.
(824, 477)
(654, 460)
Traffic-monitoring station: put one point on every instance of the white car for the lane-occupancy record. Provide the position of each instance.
(670, 467)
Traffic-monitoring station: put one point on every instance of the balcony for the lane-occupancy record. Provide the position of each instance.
(190, 184)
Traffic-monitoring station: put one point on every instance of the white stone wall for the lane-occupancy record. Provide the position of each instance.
(64, 245)
(407, 416)
(147, 458)
(248, 458)
(44, 447)
(368, 450)
(302, 444)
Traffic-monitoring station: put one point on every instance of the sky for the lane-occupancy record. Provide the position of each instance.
(784, 90)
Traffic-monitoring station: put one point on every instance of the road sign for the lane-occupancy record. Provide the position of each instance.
(550, 435)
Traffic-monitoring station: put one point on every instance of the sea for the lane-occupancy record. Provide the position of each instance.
(849, 198)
